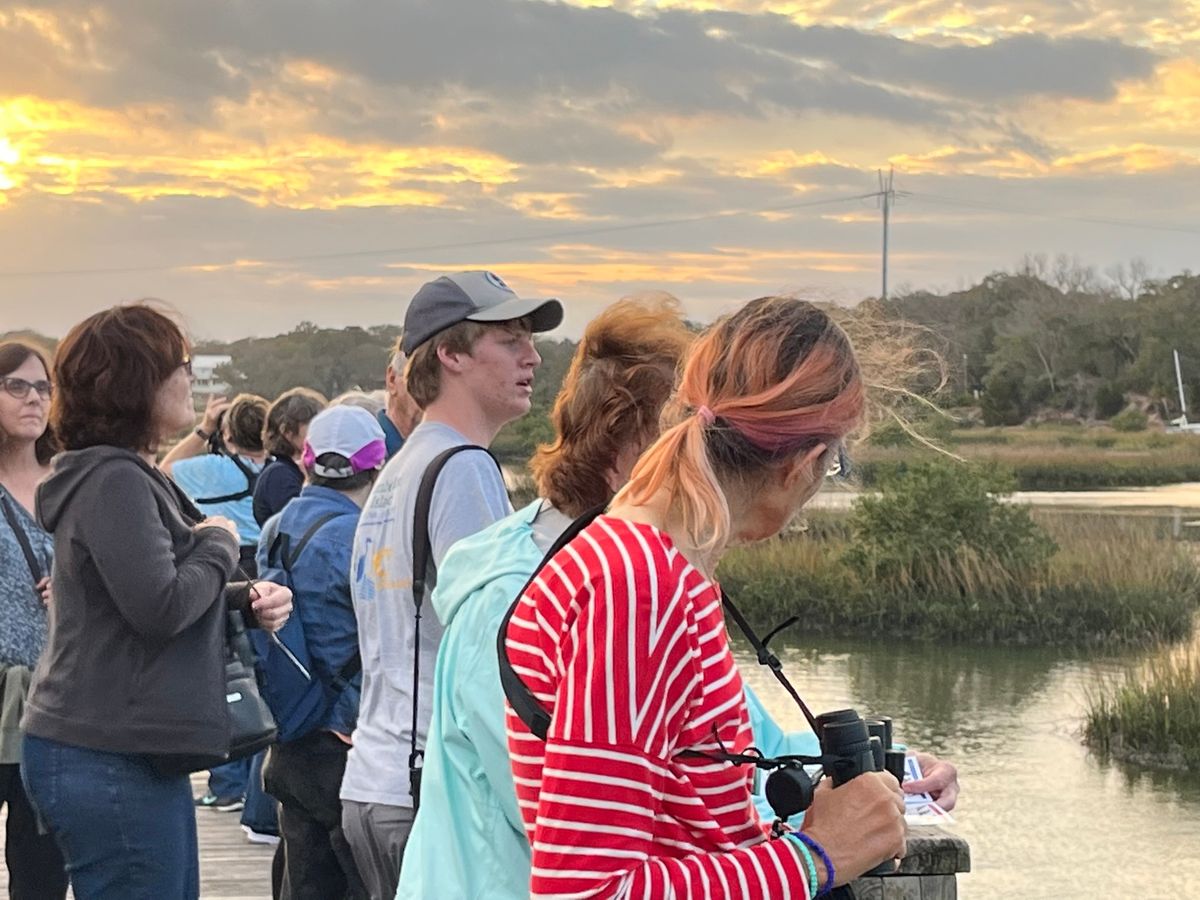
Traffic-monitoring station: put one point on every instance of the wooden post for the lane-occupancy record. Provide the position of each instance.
(929, 870)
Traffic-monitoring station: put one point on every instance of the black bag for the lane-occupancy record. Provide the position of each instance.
(251, 725)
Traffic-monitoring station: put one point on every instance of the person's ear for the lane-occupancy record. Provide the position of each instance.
(803, 467)
(449, 359)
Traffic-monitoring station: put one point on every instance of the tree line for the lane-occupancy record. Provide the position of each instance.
(1055, 338)
(1050, 338)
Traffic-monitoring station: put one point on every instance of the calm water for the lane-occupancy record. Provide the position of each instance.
(1044, 817)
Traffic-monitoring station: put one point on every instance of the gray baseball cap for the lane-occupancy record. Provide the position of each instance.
(476, 296)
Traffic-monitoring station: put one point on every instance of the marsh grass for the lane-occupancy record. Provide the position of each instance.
(1065, 458)
(1151, 715)
(1112, 581)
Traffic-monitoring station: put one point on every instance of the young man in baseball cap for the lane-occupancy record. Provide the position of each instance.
(471, 359)
(343, 453)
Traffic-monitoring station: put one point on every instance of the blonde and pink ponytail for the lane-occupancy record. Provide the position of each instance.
(759, 387)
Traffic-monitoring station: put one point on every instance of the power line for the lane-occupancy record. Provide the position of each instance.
(455, 245)
(1089, 220)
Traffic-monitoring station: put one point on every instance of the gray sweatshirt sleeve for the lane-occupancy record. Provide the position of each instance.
(156, 593)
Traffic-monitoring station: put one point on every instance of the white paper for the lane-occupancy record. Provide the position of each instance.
(921, 809)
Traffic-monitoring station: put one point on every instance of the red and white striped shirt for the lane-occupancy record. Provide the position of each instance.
(624, 642)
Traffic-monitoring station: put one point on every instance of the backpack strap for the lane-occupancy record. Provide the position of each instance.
(289, 556)
(31, 560)
(247, 491)
(527, 707)
(422, 562)
(283, 555)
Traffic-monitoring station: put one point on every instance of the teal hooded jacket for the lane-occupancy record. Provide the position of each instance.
(468, 840)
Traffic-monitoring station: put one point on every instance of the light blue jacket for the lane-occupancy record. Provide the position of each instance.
(468, 840)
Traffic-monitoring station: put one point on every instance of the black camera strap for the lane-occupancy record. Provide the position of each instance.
(423, 567)
(766, 657)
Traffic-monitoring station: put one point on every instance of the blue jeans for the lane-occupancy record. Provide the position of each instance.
(243, 778)
(230, 779)
(127, 832)
(261, 813)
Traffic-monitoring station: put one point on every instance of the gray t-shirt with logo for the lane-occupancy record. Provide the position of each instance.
(469, 496)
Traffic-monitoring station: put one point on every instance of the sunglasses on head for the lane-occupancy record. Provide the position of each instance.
(20, 388)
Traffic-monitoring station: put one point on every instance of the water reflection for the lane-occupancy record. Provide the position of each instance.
(1044, 816)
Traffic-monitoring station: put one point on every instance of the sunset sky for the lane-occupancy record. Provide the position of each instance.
(263, 162)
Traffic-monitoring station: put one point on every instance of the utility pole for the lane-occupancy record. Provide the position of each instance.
(887, 196)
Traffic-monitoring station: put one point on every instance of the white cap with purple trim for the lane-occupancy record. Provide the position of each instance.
(348, 431)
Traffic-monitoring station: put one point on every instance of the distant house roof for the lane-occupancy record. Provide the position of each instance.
(204, 365)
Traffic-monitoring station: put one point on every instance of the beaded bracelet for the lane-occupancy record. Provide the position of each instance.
(820, 851)
(814, 884)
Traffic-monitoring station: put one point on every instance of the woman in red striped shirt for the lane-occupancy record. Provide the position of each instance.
(622, 638)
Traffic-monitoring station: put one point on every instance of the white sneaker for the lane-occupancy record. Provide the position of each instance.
(258, 837)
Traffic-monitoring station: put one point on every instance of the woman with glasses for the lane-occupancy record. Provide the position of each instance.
(130, 693)
(35, 865)
(622, 640)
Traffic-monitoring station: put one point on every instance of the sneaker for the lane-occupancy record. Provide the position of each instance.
(260, 837)
(220, 804)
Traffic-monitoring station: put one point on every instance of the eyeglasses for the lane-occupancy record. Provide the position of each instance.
(839, 464)
(187, 365)
(19, 388)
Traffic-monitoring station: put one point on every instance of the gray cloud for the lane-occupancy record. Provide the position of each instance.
(605, 62)
(1009, 68)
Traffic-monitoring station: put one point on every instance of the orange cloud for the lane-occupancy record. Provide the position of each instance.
(589, 267)
(72, 150)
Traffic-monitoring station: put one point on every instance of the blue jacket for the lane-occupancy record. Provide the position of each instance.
(468, 840)
(321, 588)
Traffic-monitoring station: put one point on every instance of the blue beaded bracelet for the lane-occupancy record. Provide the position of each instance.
(820, 851)
(814, 884)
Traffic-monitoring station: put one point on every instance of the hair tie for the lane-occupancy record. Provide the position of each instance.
(706, 415)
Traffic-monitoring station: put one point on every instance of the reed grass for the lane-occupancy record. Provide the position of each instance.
(1112, 582)
(1152, 714)
(1061, 458)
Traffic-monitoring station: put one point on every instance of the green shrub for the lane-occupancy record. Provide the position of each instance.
(1110, 400)
(939, 514)
(889, 434)
(1131, 419)
(958, 400)
(1003, 402)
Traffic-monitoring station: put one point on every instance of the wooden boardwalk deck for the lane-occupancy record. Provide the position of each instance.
(231, 868)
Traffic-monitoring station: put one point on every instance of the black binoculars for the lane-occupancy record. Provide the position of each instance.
(850, 746)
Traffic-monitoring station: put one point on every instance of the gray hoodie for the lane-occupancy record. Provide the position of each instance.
(135, 657)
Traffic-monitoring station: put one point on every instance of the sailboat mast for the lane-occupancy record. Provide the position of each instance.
(1179, 383)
